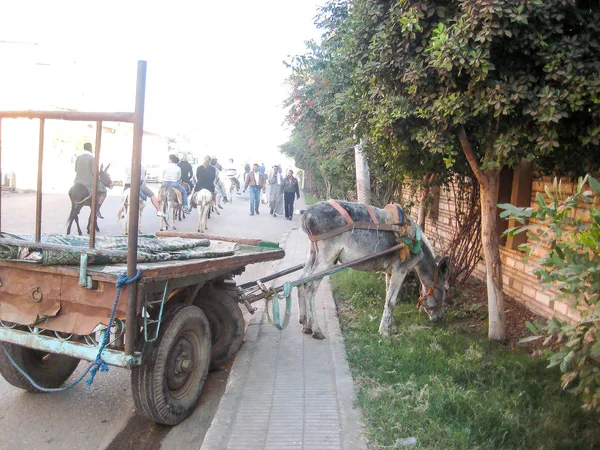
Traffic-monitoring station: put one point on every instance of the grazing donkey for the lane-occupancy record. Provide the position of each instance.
(123, 212)
(350, 242)
(203, 200)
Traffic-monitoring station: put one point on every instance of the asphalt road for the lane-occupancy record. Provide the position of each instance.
(103, 415)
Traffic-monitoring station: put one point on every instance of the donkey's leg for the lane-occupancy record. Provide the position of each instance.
(77, 211)
(70, 219)
(391, 296)
(328, 258)
(310, 262)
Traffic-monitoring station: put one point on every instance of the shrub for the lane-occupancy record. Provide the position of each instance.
(572, 268)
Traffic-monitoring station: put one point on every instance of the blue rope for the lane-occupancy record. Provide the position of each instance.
(99, 363)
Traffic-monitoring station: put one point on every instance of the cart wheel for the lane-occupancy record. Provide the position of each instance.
(48, 370)
(167, 385)
(226, 325)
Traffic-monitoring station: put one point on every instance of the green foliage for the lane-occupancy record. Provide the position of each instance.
(449, 388)
(572, 268)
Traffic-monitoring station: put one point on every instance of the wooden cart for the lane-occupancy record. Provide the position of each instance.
(174, 321)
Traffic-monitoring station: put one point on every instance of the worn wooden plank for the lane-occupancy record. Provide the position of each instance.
(190, 267)
(71, 271)
(181, 234)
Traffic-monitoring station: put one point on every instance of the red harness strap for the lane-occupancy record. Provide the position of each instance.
(341, 210)
(372, 214)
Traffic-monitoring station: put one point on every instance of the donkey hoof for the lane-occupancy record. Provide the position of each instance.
(307, 330)
(302, 320)
(318, 335)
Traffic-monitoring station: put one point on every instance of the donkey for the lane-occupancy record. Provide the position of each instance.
(123, 212)
(80, 196)
(203, 200)
(168, 203)
(229, 188)
(358, 243)
(188, 189)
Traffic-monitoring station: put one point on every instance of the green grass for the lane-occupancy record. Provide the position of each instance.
(310, 199)
(449, 388)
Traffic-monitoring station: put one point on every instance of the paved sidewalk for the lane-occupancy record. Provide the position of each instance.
(287, 390)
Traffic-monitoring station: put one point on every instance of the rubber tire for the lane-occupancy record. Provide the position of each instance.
(48, 370)
(227, 324)
(151, 392)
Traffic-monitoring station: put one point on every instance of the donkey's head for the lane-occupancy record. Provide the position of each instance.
(433, 297)
(105, 177)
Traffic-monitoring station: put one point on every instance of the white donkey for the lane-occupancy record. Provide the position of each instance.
(356, 243)
(123, 212)
(229, 188)
(203, 200)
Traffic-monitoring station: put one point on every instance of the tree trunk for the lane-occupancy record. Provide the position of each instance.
(363, 176)
(493, 263)
(489, 183)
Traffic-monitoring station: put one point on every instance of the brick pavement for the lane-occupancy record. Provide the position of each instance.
(287, 390)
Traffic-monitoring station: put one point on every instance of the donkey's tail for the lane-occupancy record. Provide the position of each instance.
(123, 207)
(89, 197)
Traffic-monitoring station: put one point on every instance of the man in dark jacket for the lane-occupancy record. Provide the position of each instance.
(291, 189)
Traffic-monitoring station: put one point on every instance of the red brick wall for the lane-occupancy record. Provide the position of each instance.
(519, 282)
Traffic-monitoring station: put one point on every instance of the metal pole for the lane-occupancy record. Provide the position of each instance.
(94, 199)
(134, 206)
(38, 209)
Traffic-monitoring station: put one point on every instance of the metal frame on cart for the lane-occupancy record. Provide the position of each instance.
(137, 118)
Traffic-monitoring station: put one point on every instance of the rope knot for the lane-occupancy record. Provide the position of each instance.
(122, 279)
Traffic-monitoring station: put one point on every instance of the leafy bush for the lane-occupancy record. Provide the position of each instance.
(572, 268)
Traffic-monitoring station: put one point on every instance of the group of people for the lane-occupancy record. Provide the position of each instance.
(282, 190)
(179, 174)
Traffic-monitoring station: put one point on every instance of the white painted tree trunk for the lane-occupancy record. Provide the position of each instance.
(493, 263)
(489, 183)
(363, 174)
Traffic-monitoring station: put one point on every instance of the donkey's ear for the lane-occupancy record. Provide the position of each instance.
(106, 169)
(101, 167)
(444, 267)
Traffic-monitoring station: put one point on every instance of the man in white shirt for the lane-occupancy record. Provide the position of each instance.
(231, 173)
(171, 177)
(145, 191)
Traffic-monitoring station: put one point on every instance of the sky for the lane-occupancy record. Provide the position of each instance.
(214, 69)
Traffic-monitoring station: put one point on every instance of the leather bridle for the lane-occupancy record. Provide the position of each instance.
(430, 292)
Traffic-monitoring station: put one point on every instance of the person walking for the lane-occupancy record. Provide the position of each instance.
(84, 174)
(291, 190)
(276, 192)
(256, 181)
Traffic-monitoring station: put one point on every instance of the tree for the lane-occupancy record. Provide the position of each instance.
(494, 80)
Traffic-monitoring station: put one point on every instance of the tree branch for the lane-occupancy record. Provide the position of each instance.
(471, 158)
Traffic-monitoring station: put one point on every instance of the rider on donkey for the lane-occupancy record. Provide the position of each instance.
(84, 170)
(145, 191)
(171, 177)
